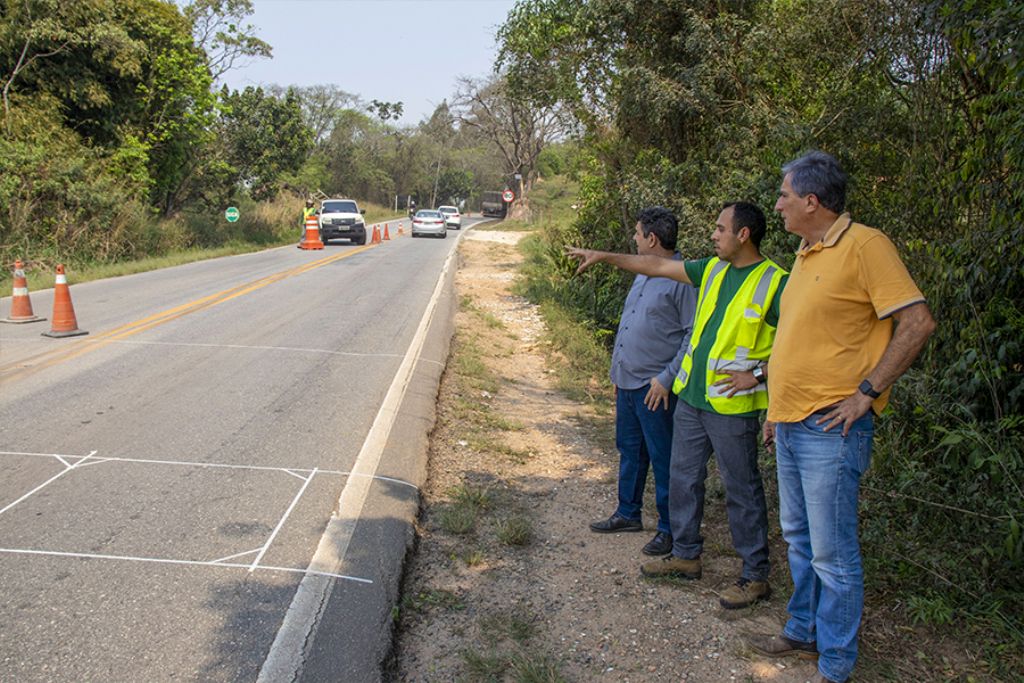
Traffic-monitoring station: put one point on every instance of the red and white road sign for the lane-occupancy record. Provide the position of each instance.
(508, 196)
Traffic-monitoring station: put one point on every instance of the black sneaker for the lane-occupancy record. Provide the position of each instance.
(616, 523)
(661, 544)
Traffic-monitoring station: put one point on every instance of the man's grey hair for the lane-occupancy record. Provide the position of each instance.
(819, 174)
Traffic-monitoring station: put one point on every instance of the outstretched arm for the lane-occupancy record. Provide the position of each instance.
(653, 266)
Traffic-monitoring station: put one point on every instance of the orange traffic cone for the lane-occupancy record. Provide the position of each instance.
(376, 235)
(21, 305)
(311, 240)
(387, 235)
(64, 322)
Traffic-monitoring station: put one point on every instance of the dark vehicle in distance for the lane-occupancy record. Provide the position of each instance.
(492, 205)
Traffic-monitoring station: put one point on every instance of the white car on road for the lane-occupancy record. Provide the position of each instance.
(452, 217)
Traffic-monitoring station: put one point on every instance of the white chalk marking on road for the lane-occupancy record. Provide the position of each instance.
(303, 615)
(95, 461)
(186, 463)
(63, 461)
(231, 557)
(280, 523)
(67, 468)
(163, 560)
(294, 471)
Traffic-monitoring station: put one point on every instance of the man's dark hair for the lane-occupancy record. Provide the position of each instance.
(662, 223)
(819, 174)
(747, 215)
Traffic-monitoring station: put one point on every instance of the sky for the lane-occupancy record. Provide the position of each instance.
(412, 51)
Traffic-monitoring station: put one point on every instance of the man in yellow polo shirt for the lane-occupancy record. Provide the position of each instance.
(721, 388)
(835, 358)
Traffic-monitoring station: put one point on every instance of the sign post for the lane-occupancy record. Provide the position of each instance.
(231, 214)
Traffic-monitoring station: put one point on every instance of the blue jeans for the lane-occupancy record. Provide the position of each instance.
(819, 480)
(644, 439)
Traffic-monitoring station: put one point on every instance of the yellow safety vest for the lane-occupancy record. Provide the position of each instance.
(744, 338)
(307, 211)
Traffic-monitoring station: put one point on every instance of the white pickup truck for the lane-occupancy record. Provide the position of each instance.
(342, 218)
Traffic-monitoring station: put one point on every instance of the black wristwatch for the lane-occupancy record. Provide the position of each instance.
(758, 373)
(868, 390)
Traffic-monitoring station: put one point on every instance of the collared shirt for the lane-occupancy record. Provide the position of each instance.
(653, 332)
(835, 319)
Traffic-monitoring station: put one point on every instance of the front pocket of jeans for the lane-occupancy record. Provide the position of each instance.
(807, 426)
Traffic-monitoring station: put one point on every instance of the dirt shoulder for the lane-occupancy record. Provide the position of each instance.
(507, 582)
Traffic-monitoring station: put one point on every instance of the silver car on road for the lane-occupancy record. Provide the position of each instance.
(429, 222)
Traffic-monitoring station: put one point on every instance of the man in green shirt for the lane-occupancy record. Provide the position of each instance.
(722, 390)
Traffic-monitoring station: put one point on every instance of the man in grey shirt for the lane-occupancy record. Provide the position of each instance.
(649, 346)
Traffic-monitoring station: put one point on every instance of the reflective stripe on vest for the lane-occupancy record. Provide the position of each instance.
(716, 266)
(744, 339)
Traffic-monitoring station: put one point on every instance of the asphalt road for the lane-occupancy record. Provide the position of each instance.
(217, 483)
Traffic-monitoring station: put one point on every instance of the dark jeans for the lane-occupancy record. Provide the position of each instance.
(644, 438)
(733, 440)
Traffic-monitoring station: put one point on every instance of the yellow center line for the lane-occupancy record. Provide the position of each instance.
(20, 369)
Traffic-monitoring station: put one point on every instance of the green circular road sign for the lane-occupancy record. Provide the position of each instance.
(231, 214)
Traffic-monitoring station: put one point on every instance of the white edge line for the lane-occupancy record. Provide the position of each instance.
(280, 523)
(303, 615)
(164, 560)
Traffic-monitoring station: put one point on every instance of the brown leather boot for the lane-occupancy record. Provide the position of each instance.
(672, 566)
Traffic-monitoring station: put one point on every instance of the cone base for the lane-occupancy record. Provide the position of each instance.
(69, 333)
(19, 321)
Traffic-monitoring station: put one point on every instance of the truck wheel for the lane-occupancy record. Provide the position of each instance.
(359, 240)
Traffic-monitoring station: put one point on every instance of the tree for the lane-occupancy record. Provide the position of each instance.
(38, 39)
(321, 105)
(265, 137)
(515, 128)
(386, 111)
(218, 31)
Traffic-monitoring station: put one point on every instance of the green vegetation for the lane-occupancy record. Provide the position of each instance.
(515, 530)
(433, 599)
(457, 518)
(690, 104)
(508, 653)
(514, 625)
(118, 143)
